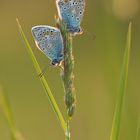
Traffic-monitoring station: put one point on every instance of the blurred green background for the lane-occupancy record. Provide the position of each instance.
(97, 70)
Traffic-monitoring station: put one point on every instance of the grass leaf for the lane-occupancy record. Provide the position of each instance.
(43, 81)
(4, 103)
(123, 81)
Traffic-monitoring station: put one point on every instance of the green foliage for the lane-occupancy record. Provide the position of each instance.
(123, 81)
(4, 102)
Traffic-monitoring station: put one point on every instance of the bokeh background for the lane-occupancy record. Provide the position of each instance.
(97, 70)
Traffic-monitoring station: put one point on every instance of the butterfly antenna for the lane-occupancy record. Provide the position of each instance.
(92, 35)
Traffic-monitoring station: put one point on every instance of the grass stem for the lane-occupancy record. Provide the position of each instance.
(68, 75)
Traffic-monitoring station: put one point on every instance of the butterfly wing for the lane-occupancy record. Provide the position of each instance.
(71, 12)
(49, 40)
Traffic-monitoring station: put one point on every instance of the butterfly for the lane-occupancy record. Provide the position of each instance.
(71, 13)
(49, 40)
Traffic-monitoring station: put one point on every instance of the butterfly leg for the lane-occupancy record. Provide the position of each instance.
(43, 72)
(61, 65)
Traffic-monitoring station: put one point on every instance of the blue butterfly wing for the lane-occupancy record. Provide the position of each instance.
(71, 12)
(49, 40)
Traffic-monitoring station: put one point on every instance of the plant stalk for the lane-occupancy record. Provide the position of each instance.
(67, 73)
(67, 133)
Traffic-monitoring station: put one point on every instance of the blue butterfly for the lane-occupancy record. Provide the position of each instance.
(49, 40)
(71, 13)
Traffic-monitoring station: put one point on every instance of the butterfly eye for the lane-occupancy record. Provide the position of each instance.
(55, 62)
(79, 30)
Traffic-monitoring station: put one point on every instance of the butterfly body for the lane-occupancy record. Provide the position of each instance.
(49, 40)
(71, 12)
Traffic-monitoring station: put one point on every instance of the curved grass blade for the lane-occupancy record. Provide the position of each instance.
(43, 81)
(4, 102)
(123, 81)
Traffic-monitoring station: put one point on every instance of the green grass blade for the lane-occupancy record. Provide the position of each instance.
(43, 81)
(4, 103)
(7, 112)
(122, 90)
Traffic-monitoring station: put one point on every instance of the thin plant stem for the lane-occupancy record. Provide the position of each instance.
(67, 74)
(67, 134)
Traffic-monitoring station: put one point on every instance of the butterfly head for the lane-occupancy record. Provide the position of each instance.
(57, 62)
(75, 31)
